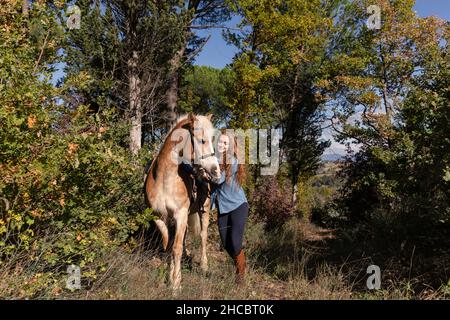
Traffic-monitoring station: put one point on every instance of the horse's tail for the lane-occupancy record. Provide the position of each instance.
(194, 224)
(164, 232)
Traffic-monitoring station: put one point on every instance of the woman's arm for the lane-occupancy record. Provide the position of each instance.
(187, 167)
(234, 169)
(220, 180)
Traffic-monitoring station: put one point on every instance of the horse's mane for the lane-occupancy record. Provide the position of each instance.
(179, 120)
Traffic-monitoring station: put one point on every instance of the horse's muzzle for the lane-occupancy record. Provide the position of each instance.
(215, 173)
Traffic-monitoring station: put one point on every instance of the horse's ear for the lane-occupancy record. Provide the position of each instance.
(190, 122)
(191, 117)
(210, 116)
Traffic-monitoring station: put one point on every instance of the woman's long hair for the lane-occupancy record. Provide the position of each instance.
(233, 150)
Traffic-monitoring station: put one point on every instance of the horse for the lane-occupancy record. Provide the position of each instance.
(170, 190)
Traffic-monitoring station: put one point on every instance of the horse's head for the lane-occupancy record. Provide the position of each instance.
(202, 134)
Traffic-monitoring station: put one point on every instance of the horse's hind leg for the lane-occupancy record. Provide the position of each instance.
(204, 239)
(177, 251)
(164, 232)
(187, 255)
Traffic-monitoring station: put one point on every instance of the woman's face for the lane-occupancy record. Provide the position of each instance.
(223, 144)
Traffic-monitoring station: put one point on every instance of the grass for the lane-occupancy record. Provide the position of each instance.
(293, 262)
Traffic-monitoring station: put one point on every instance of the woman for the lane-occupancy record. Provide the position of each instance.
(229, 198)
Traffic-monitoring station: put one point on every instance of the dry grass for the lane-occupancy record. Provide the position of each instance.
(282, 265)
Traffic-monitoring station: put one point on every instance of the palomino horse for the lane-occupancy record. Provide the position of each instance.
(169, 188)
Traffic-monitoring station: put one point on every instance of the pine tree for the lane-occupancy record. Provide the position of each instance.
(195, 15)
(277, 70)
(124, 48)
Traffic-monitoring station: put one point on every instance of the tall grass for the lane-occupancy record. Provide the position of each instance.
(285, 264)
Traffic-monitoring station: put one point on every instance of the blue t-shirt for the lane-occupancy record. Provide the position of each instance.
(228, 195)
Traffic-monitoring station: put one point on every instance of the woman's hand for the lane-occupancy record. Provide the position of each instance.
(201, 173)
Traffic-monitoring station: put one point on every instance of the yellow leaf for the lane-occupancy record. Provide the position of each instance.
(31, 121)
(73, 147)
(112, 220)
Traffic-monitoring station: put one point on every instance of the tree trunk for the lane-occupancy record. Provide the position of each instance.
(25, 7)
(172, 92)
(291, 109)
(294, 89)
(294, 194)
(135, 105)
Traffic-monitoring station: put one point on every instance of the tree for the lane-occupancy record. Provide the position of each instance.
(204, 90)
(278, 67)
(194, 14)
(134, 53)
(69, 192)
(381, 78)
(124, 47)
(93, 51)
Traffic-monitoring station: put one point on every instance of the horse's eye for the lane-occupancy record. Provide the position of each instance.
(203, 141)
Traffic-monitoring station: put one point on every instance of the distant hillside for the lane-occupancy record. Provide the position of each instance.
(332, 157)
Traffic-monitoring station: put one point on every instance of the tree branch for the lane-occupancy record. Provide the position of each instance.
(42, 51)
(213, 27)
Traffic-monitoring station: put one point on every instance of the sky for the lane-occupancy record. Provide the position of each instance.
(217, 53)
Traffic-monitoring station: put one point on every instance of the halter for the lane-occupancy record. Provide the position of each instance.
(193, 153)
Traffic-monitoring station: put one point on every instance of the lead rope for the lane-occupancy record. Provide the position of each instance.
(195, 197)
(194, 184)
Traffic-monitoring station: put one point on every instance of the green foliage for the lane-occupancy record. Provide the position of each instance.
(71, 192)
(95, 50)
(283, 46)
(204, 91)
(80, 186)
(396, 79)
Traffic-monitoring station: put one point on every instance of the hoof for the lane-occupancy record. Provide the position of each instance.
(204, 267)
(176, 290)
(207, 274)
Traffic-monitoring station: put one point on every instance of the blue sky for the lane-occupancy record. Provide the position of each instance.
(218, 54)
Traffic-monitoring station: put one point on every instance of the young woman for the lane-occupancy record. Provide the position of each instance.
(229, 198)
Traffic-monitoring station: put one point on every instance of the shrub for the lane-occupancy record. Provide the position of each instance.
(69, 189)
(272, 202)
(79, 189)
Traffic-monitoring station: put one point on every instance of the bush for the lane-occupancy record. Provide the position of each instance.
(78, 189)
(70, 192)
(272, 201)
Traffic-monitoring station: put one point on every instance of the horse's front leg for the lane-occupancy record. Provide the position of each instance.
(177, 250)
(204, 239)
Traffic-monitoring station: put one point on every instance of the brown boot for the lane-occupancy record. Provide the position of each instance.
(239, 262)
